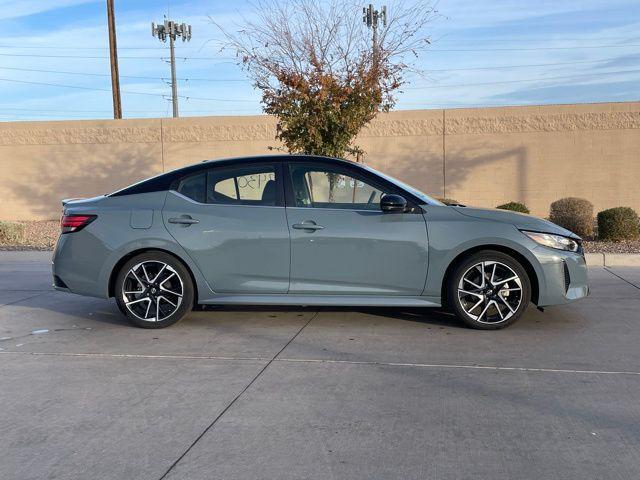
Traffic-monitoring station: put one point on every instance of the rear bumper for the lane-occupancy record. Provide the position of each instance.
(565, 279)
(58, 283)
(75, 266)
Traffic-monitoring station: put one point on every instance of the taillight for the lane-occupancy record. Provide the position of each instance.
(73, 223)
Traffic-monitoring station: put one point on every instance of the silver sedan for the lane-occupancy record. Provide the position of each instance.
(307, 230)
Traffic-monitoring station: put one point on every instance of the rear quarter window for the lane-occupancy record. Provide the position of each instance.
(194, 187)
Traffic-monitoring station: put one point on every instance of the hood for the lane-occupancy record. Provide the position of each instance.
(521, 220)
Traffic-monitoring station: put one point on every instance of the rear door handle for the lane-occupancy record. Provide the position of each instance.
(307, 225)
(184, 220)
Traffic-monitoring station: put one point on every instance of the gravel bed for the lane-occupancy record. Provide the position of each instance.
(628, 246)
(42, 235)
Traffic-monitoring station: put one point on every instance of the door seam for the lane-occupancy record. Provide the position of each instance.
(286, 217)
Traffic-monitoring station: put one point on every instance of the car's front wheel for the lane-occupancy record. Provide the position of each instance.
(154, 290)
(489, 290)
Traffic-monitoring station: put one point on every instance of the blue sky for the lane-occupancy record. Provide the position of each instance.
(484, 53)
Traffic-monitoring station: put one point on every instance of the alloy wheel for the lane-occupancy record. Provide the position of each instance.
(490, 292)
(152, 290)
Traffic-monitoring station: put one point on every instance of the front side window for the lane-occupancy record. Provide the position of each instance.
(331, 187)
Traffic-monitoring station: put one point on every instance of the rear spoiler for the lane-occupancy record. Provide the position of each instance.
(67, 200)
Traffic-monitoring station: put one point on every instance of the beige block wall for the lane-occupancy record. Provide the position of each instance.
(407, 145)
(478, 156)
(44, 162)
(539, 154)
(191, 140)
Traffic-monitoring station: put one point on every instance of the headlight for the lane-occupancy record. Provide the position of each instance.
(554, 241)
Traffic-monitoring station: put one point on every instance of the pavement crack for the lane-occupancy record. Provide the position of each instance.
(24, 299)
(326, 361)
(237, 397)
(42, 331)
(48, 290)
(458, 366)
(135, 355)
(621, 278)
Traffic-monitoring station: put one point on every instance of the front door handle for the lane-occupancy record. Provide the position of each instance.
(184, 220)
(307, 225)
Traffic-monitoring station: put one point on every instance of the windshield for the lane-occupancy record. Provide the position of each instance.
(414, 191)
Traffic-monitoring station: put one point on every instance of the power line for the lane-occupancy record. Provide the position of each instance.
(50, 47)
(231, 60)
(251, 101)
(79, 87)
(217, 80)
(71, 47)
(22, 109)
(65, 110)
(443, 38)
(523, 80)
(86, 74)
(572, 47)
(206, 99)
(529, 38)
(105, 114)
(138, 57)
(142, 77)
(69, 56)
(187, 97)
(496, 67)
(426, 105)
(139, 77)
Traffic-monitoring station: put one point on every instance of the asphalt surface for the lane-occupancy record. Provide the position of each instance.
(256, 393)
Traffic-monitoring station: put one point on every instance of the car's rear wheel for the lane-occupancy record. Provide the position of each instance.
(489, 290)
(154, 290)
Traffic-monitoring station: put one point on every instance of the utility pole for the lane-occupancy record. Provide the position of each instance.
(371, 17)
(172, 30)
(113, 53)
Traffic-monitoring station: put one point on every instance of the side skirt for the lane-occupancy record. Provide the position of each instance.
(322, 300)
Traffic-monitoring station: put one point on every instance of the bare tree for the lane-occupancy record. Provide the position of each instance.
(320, 71)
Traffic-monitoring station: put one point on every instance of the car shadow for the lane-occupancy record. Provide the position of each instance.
(107, 312)
(431, 316)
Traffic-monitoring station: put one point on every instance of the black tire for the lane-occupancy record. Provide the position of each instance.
(162, 295)
(497, 310)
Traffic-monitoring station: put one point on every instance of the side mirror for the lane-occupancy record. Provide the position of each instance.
(393, 203)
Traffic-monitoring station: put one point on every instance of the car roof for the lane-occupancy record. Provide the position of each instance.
(165, 180)
(169, 180)
(270, 158)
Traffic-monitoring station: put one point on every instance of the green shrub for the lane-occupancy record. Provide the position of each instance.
(11, 233)
(448, 201)
(620, 223)
(514, 207)
(575, 214)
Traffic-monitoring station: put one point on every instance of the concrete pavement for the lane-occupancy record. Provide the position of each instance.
(264, 393)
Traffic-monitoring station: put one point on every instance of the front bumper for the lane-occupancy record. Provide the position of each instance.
(565, 278)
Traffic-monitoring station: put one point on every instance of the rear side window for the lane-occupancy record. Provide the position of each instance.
(194, 187)
(243, 186)
(252, 185)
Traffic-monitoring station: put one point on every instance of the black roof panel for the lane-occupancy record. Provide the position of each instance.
(165, 180)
